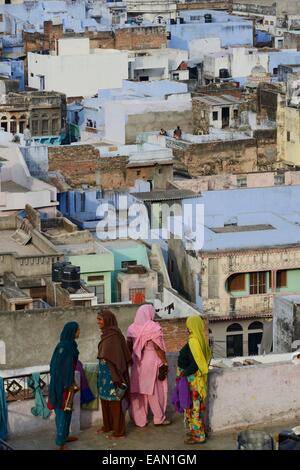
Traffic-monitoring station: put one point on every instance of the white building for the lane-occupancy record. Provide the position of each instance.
(77, 70)
(235, 62)
(152, 10)
(158, 64)
(18, 187)
(92, 111)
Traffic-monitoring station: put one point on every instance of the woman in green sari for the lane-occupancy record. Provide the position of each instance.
(193, 363)
(62, 370)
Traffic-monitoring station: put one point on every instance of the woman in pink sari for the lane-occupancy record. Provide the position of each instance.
(145, 340)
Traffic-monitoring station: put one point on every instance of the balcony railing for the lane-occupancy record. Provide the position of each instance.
(252, 304)
(5, 446)
(17, 388)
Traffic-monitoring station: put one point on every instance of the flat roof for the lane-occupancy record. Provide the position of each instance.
(218, 100)
(12, 187)
(242, 228)
(13, 293)
(253, 208)
(166, 195)
(82, 248)
(8, 245)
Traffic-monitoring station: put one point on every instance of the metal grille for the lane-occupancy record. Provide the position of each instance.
(17, 388)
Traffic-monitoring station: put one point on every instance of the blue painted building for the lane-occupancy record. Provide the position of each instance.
(13, 69)
(192, 24)
(284, 57)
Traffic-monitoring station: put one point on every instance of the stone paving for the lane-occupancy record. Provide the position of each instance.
(148, 438)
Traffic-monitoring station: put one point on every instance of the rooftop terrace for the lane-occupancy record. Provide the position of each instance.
(149, 438)
(8, 245)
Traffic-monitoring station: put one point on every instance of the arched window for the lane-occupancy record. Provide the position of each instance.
(22, 123)
(4, 123)
(35, 124)
(255, 330)
(45, 124)
(13, 124)
(55, 124)
(256, 325)
(234, 340)
(234, 327)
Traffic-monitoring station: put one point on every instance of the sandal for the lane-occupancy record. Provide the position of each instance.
(102, 431)
(72, 439)
(112, 437)
(191, 441)
(166, 422)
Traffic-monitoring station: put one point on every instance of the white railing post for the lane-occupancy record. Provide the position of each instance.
(75, 423)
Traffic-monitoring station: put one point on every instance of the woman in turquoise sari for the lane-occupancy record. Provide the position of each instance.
(62, 369)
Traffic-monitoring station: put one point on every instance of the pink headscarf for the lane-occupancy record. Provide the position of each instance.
(144, 329)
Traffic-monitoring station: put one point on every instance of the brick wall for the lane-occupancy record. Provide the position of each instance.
(78, 163)
(218, 157)
(137, 38)
(200, 117)
(113, 172)
(175, 333)
(141, 38)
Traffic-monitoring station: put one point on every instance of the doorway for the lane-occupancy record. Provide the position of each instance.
(225, 117)
(254, 340)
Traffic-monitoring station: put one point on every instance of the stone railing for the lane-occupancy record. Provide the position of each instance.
(261, 303)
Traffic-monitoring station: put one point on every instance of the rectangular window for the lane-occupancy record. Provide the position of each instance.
(288, 136)
(55, 126)
(241, 181)
(237, 282)
(258, 283)
(215, 115)
(95, 278)
(35, 127)
(99, 292)
(234, 345)
(235, 113)
(175, 76)
(125, 264)
(45, 126)
(281, 278)
(278, 180)
(137, 294)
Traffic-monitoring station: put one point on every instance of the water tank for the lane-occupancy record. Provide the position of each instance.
(207, 18)
(57, 269)
(70, 278)
(223, 73)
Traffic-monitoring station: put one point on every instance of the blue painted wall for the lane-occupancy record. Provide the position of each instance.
(284, 58)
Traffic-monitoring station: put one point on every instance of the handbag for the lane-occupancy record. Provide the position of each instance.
(120, 391)
(163, 371)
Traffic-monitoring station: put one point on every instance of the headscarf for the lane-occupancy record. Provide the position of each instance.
(200, 350)
(63, 364)
(145, 329)
(113, 347)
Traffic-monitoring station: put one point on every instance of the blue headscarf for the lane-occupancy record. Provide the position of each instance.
(63, 363)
